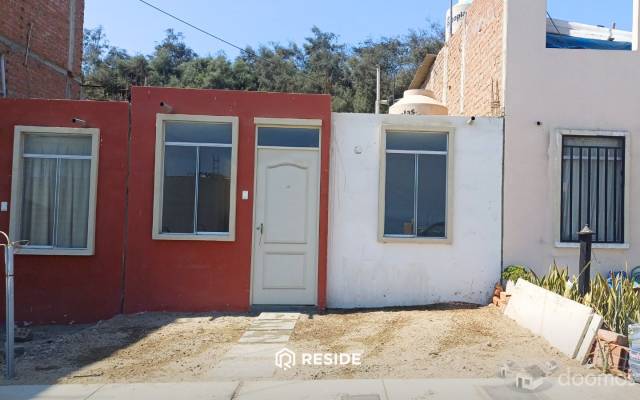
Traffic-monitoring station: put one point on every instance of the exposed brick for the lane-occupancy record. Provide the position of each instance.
(479, 43)
(48, 21)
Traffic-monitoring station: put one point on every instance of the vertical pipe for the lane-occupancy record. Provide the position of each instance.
(377, 90)
(9, 309)
(3, 77)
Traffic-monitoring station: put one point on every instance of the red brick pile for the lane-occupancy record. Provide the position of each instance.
(500, 297)
(612, 350)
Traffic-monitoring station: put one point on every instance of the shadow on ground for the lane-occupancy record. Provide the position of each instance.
(140, 347)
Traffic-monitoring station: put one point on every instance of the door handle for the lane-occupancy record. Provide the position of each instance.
(260, 228)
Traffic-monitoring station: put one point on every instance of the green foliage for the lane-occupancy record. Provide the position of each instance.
(515, 272)
(320, 65)
(618, 303)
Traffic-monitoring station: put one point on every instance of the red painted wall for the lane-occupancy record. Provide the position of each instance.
(196, 275)
(58, 289)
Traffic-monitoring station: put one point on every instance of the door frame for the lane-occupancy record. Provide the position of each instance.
(260, 122)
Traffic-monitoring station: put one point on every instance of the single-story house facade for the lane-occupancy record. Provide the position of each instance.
(196, 200)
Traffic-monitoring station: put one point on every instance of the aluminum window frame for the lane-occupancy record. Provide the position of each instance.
(20, 132)
(450, 132)
(157, 233)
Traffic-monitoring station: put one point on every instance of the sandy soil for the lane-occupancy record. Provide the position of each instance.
(435, 342)
(438, 342)
(145, 347)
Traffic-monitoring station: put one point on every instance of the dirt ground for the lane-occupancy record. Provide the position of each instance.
(435, 342)
(147, 347)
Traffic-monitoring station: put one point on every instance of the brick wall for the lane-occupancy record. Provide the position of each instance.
(40, 28)
(473, 58)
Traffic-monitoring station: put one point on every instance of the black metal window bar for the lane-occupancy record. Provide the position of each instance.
(593, 180)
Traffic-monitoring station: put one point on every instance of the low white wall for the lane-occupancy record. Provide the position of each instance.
(363, 272)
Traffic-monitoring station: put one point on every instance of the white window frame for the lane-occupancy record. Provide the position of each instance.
(450, 131)
(20, 132)
(555, 152)
(159, 178)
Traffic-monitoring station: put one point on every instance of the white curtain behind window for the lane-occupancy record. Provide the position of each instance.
(55, 206)
(38, 201)
(73, 203)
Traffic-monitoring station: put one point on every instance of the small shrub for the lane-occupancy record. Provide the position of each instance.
(515, 272)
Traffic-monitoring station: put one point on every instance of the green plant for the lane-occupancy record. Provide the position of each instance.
(618, 303)
(555, 281)
(515, 272)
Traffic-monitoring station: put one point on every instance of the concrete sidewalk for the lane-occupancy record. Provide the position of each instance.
(485, 389)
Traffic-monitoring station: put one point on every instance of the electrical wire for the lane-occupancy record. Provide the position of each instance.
(198, 29)
(235, 46)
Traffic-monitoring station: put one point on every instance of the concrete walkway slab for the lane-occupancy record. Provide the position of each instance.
(279, 315)
(238, 368)
(265, 337)
(46, 392)
(313, 390)
(167, 391)
(254, 351)
(436, 389)
(272, 325)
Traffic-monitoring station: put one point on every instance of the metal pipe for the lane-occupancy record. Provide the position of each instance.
(166, 107)
(79, 121)
(3, 77)
(9, 347)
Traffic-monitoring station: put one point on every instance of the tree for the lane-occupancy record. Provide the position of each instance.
(321, 65)
(166, 60)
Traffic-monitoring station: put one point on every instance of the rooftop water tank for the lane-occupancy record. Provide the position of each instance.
(418, 102)
(459, 12)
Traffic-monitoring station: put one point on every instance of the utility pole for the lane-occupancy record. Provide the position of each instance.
(378, 89)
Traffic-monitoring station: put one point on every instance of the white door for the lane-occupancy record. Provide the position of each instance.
(286, 227)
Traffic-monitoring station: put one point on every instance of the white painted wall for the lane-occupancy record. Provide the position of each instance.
(363, 272)
(573, 89)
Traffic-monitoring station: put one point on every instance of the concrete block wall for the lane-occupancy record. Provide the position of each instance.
(34, 40)
(468, 73)
(365, 272)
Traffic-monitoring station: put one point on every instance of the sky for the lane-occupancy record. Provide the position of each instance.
(137, 28)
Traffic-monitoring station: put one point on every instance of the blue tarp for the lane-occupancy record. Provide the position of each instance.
(557, 41)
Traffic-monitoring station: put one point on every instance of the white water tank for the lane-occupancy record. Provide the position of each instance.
(459, 13)
(418, 102)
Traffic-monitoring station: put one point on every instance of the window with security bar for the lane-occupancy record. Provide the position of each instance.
(593, 187)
